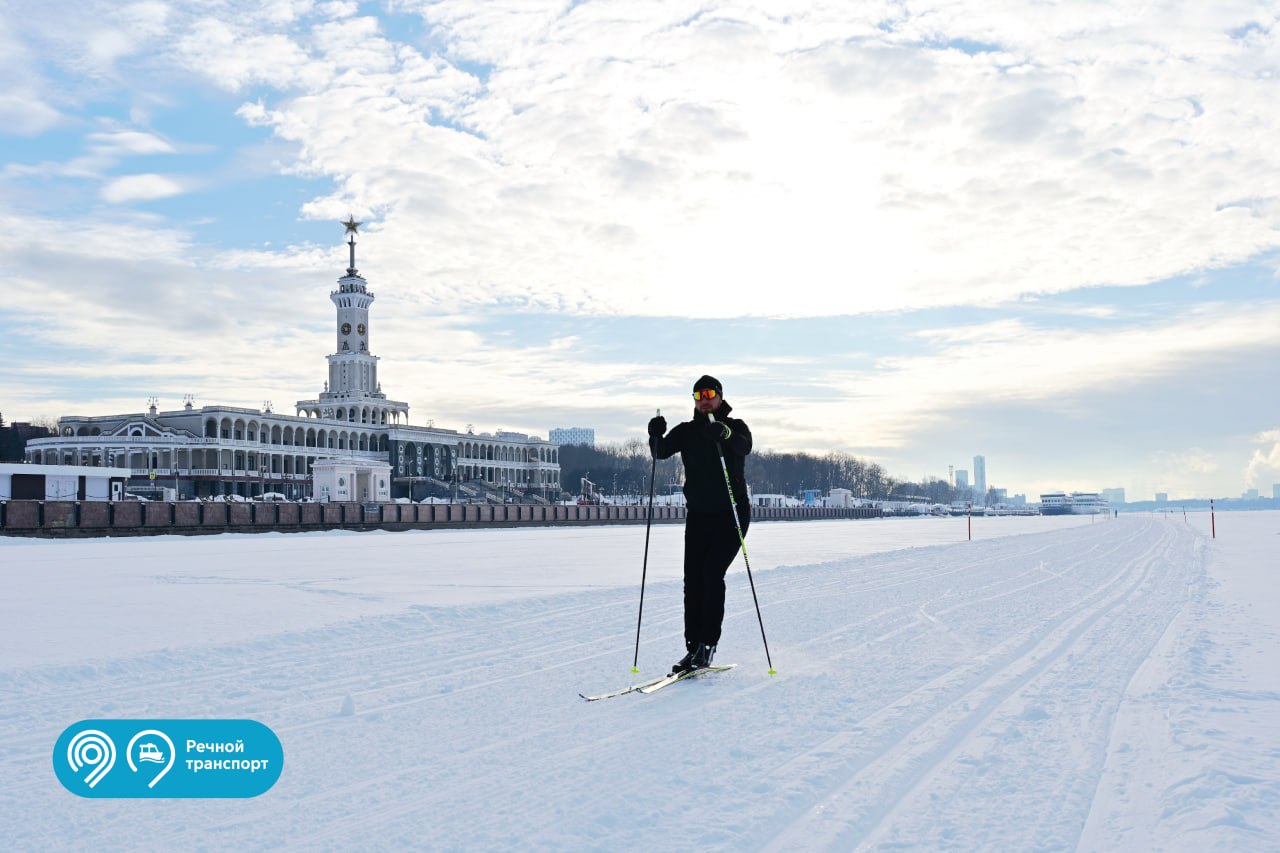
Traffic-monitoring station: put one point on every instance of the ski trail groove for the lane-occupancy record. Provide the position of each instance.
(882, 780)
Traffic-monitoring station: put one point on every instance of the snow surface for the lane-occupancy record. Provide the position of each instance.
(1055, 684)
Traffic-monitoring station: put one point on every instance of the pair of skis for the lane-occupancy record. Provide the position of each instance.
(657, 684)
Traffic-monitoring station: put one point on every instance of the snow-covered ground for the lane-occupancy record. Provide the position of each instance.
(1055, 684)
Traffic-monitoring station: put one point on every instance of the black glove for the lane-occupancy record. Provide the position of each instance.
(718, 431)
(657, 426)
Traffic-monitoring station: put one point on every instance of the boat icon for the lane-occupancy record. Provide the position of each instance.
(150, 752)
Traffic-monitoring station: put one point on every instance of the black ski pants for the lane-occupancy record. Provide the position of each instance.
(710, 544)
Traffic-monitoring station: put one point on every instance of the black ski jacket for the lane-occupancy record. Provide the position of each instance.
(704, 489)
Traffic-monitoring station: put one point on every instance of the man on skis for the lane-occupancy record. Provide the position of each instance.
(710, 535)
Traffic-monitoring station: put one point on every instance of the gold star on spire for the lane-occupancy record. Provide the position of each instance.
(353, 227)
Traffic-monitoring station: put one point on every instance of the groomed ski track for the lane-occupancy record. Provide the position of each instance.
(953, 696)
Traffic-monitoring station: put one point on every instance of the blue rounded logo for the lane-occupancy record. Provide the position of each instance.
(167, 758)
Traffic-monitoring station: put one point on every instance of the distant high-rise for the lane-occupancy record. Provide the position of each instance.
(1162, 497)
(574, 435)
(980, 475)
(962, 480)
(1275, 491)
(1113, 496)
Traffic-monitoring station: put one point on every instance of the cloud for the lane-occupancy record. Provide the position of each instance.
(1016, 364)
(149, 187)
(232, 55)
(127, 143)
(759, 166)
(91, 38)
(736, 162)
(1190, 464)
(123, 292)
(26, 114)
(1263, 469)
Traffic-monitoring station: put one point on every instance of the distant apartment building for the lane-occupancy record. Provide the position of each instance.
(980, 476)
(1275, 492)
(574, 435)
(1250, 495)
(962, 480)
(1162, 497)
(1113, 496)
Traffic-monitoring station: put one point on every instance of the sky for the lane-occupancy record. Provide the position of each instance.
(1047, 234)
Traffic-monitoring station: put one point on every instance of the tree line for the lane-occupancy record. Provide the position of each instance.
(13, 438)
(623, 469)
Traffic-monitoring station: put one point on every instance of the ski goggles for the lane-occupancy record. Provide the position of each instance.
(704, 394)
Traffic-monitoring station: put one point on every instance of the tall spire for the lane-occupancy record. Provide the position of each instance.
(353, 228)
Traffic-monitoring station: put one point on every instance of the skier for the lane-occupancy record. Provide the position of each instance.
(710, 535)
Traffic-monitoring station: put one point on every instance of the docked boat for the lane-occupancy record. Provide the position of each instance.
(1075, 503)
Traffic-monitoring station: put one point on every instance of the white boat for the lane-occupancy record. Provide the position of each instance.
(1076, 503)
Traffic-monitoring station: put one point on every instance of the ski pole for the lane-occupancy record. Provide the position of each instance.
(653, 473)
(743, 542)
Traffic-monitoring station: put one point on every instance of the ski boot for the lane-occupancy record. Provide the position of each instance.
(685, 663)
(702, 656)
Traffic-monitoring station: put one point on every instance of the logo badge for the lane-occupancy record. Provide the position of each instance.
(94, 749)
(168, 758)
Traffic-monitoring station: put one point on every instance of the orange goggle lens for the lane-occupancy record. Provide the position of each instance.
(704, 394)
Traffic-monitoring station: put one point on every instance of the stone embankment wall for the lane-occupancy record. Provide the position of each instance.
(134, 518)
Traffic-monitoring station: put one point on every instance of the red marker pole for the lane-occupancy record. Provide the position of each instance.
(1213, 521)
(969, 513)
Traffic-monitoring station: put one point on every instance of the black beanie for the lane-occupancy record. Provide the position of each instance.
(708, 382)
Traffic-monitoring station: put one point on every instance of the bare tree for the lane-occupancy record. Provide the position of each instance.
(49, 422)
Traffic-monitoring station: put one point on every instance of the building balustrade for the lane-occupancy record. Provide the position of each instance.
(168, 472)
(181, 441)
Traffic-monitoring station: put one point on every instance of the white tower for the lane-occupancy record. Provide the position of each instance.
(353, 392)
